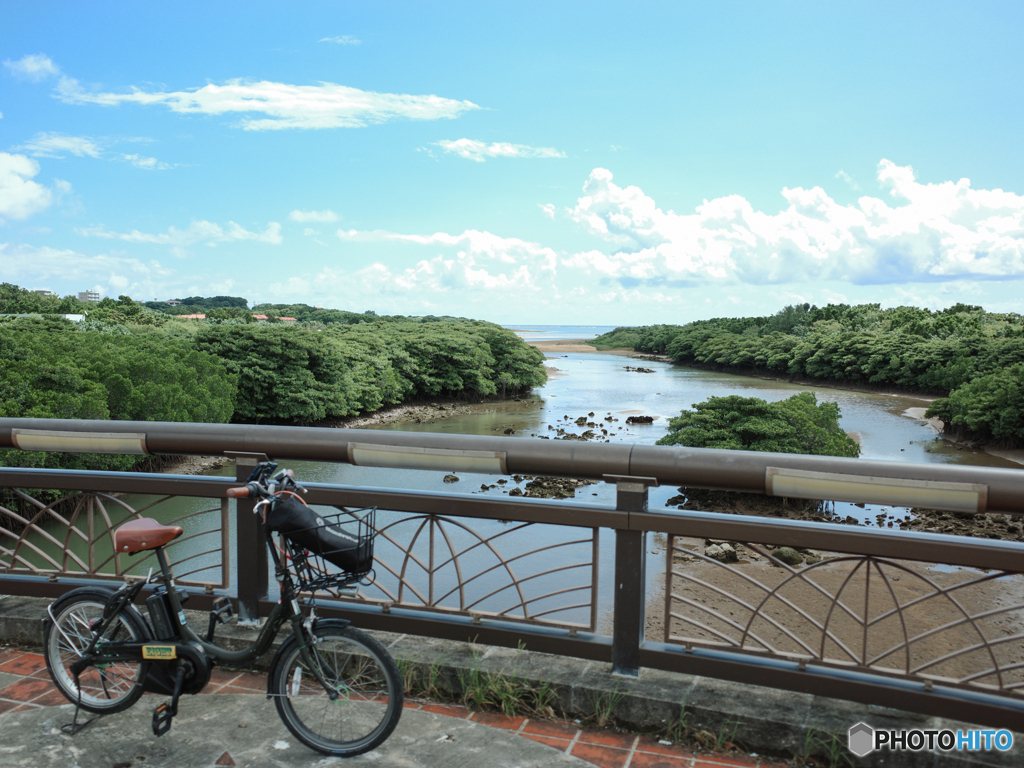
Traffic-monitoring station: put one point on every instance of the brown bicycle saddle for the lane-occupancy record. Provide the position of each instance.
(144, 533)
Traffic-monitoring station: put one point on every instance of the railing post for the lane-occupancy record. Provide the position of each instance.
(250, 545)
(630, 571)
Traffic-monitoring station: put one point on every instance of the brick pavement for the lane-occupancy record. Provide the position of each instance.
(25, 684)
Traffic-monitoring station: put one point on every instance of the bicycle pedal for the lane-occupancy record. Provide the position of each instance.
(223, 610)
(162, 717)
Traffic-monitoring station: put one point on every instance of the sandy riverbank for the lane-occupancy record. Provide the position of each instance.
(562, 346)
(565, 346)
(712, 603)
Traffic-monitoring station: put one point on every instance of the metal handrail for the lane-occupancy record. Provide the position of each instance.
(744, 471)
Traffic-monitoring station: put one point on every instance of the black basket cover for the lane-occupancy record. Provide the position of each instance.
(305, 528)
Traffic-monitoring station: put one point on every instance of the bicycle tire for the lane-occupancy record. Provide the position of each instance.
(103, 690)
(360, 669)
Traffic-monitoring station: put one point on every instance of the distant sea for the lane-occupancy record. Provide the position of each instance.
(552, 332)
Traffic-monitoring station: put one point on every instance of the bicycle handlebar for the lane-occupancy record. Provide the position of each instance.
(237, 493)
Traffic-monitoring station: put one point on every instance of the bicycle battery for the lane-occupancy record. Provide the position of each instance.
(160, 615)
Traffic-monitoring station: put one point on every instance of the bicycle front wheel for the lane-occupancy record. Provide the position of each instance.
(356, 666)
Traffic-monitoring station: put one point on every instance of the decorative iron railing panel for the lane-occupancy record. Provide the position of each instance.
(960, 627)
(512, 571)
(74, 536)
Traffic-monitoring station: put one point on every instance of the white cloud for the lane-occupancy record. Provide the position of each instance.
(34, 67)
(28, 263)
(146, 163)
(934, 232)
(472, 261)
(304, 216)
(58, 145)
(847, 178)
(326, 105)
(342, 40)
(198, 232)
(479, 151)
(548, 209)
(20, 197)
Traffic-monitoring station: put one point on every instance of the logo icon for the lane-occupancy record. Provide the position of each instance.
(861, 739)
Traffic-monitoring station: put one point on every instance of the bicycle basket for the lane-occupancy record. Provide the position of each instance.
(343, 540)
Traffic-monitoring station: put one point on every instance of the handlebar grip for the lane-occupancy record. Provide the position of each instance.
(237, 493)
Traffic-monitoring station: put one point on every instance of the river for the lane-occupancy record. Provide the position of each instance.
(599, 383)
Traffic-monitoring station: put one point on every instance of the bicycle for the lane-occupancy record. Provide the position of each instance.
(335, 688)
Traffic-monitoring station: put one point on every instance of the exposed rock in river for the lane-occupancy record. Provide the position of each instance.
(554, 487)
(640, 420)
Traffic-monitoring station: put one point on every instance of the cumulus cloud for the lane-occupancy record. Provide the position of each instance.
(917, 236)
(342, 40)
(58, 145)
(34, 67)
(472, 260)
(479, 151)
(20, 197)
(322, 216)
(205, 232)
(548, 209)
(326, 105)
(930, 232)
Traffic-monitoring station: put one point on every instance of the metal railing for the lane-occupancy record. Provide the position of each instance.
(921, 621)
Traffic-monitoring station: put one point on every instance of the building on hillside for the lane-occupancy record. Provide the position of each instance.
(173, 303)
(88, 296)
(282, 319)
(192, 317)
(44, 292)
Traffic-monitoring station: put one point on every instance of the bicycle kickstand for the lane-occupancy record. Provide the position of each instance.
(163, 714)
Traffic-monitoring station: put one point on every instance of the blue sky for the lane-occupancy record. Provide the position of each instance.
(591, 162)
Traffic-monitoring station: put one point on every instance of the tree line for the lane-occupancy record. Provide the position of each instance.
(972, 359)
(127, 361)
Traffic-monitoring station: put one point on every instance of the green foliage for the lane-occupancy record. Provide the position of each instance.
(198, 305)
(16, 300)
(230, 313)
(797, 425)
(53, 369)
(902, 347)
(305, 373)
(285, 374)
(990, 408)
(127, 361)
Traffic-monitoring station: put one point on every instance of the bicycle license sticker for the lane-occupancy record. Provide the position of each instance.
(159, 652)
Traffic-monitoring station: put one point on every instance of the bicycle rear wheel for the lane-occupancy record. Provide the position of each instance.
(359, 668)
(103, 688)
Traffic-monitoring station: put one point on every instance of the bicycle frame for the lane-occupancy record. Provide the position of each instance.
(183, 644)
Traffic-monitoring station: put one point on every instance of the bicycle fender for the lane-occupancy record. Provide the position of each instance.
(103, 593)
(293, 639)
